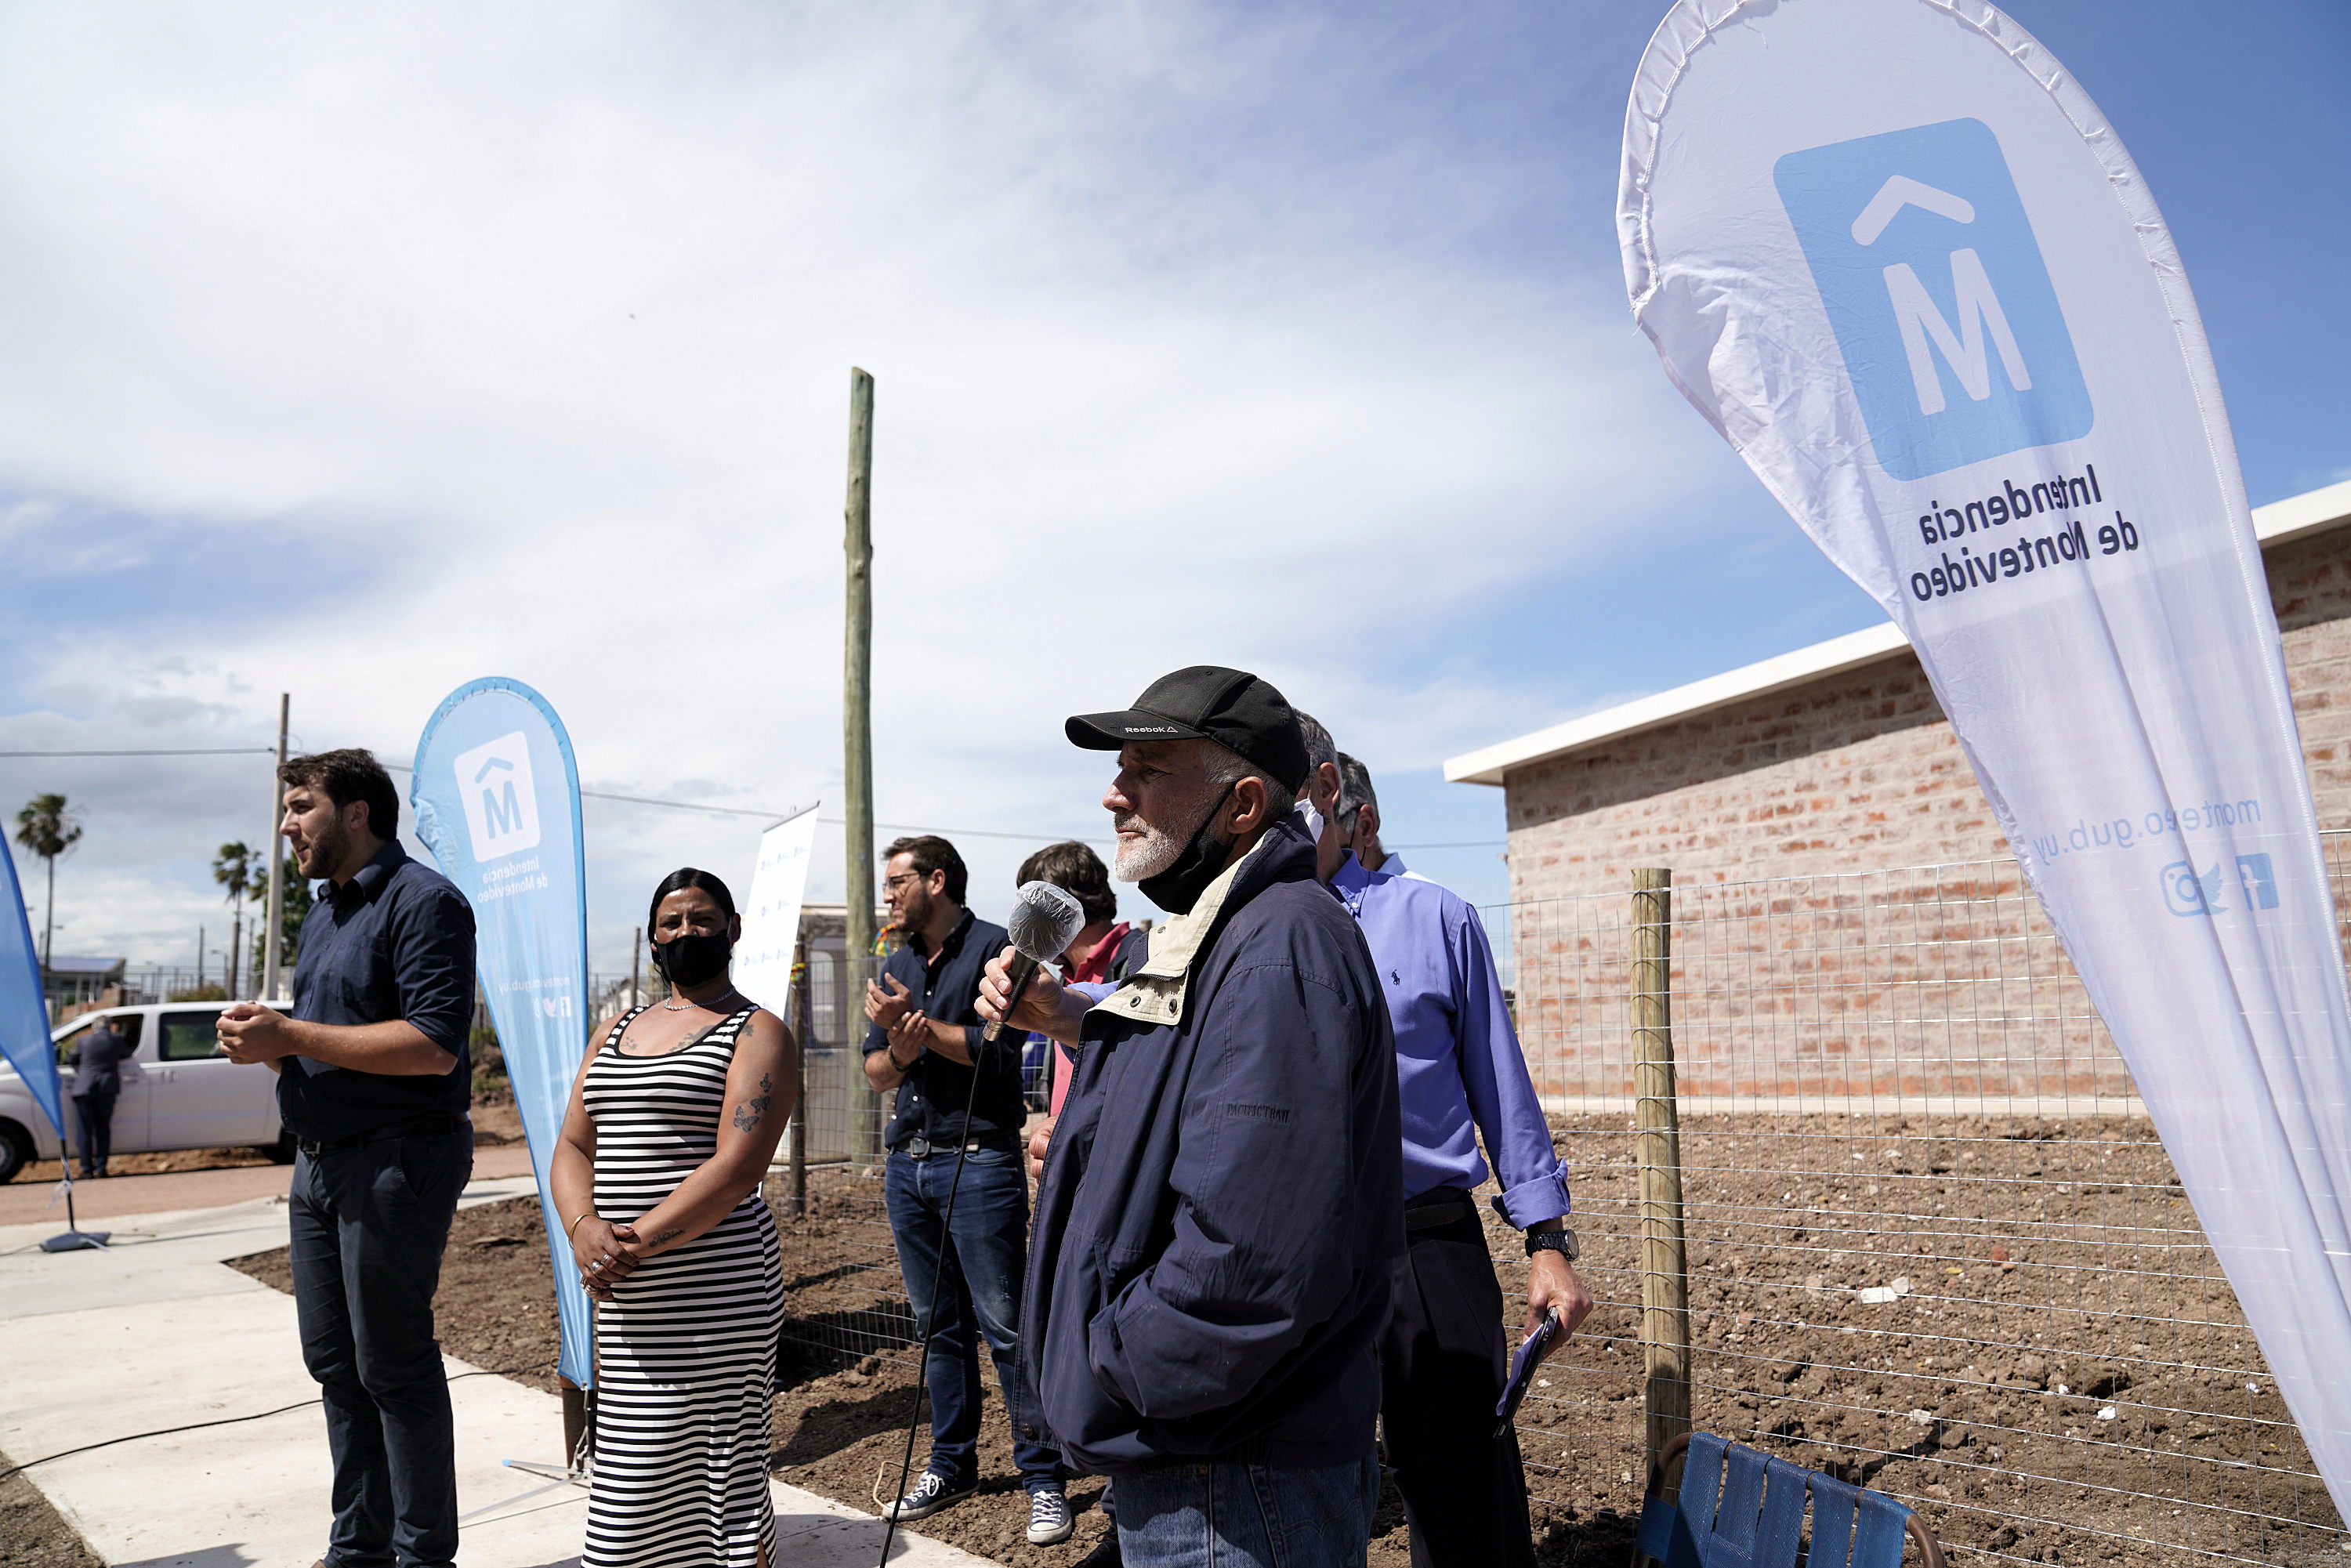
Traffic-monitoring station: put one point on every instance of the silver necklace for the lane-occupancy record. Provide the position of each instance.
(691, 1006)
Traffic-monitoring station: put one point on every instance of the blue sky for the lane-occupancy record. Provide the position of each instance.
(358, 354)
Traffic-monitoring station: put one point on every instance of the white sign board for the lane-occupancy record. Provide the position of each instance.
(771, 916)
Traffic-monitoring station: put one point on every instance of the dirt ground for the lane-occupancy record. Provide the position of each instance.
(493, 1124)
(32, 1535)
(2058, 1374)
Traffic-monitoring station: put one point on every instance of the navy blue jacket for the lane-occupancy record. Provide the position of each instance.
(1222, 1205)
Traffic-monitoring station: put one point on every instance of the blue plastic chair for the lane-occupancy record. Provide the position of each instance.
(1740, 1508)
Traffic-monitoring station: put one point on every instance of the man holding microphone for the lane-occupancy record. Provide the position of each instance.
(1460, 1073)
(1219, 1217)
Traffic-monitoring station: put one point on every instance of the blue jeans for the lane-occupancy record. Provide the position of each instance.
(972, 1275)
(1248, 1516)
(369, 1225)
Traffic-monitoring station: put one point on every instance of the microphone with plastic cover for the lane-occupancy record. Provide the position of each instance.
(1045, 920)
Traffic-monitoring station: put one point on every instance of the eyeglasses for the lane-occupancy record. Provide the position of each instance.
(892, 883)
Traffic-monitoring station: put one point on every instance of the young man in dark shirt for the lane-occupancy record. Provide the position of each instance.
(926, 1044)
(374, 1082)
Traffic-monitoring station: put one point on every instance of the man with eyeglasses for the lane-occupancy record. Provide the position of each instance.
(926, 1044)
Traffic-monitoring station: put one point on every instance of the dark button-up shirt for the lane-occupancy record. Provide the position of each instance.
(396, 942)
(945, 986)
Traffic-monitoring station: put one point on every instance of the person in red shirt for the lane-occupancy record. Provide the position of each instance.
(1105, 951)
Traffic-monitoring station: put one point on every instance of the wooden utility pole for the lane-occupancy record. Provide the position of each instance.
(636, 952)
(1665, 1264)
(857, 738)
(274, 848)
(803, 1014)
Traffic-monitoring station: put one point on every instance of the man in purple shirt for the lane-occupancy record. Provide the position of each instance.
(1443, 1362)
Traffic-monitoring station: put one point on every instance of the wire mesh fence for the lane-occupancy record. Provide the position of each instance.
(1933, 1244)
(841, 1265)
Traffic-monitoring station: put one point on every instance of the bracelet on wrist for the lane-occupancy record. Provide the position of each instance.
(573, 1228)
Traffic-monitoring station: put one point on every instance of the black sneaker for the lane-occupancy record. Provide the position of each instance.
(931, 1494)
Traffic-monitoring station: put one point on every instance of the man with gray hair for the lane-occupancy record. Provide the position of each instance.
(1220, 1211)
(1317, 797)
(1359, 821)
(1460, 1074)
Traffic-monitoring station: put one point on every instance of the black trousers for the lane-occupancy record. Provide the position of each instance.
(95, 1113)
(370, 1222)
(1443, 1362)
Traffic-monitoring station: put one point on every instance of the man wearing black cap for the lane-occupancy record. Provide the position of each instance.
(1221, 1212)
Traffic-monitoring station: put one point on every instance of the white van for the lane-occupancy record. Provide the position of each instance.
(187, 1096)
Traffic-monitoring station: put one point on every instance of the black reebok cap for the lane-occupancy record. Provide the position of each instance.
(1206, 702)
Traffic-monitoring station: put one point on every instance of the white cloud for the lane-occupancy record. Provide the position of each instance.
(516, 341)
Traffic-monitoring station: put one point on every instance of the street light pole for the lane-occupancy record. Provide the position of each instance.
(275, 916)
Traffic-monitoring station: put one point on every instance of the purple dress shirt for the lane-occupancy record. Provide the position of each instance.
(1459, 1070)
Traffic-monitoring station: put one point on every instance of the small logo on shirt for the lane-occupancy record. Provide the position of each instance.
(501, 805)
(1261, 1112)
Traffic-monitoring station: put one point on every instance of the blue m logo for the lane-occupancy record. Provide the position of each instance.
(1936, 288)
(502, 816)
(493, 781)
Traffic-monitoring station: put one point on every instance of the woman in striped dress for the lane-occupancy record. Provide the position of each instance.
(673, 1122)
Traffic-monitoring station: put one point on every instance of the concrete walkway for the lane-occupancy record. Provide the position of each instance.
(156, 1333)
(29, 1202)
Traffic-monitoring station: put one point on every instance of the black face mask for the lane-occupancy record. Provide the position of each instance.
(689, 960)
(1179, 887)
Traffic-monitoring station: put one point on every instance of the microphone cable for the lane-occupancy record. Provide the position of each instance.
(15, 1470)
(930, 1319)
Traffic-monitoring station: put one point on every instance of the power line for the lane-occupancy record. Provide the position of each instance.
(785, 816)
(668, 805)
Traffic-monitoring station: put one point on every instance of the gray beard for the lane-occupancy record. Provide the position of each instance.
(1147, 856)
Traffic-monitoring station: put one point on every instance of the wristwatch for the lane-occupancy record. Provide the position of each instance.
(1562, 1241)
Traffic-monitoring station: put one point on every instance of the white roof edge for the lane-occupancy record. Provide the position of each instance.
(2282, 522)
(2279, 522)
(1838, 653)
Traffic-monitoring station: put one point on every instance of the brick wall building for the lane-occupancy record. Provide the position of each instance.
(1809, 793)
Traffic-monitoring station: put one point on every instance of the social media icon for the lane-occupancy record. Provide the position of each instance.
(501, 805)
(2258, 880)
(1935, 289)
(2187, 890)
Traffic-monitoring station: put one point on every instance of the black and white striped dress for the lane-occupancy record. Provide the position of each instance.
(685, 1353)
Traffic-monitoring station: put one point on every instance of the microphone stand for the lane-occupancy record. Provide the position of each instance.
(75, 1238)
(947, 1225)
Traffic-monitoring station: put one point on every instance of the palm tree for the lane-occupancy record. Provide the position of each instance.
(48, 826)
(232, 868)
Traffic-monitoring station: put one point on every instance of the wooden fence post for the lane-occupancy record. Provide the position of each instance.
(1665, 1264)
(802, 1013)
